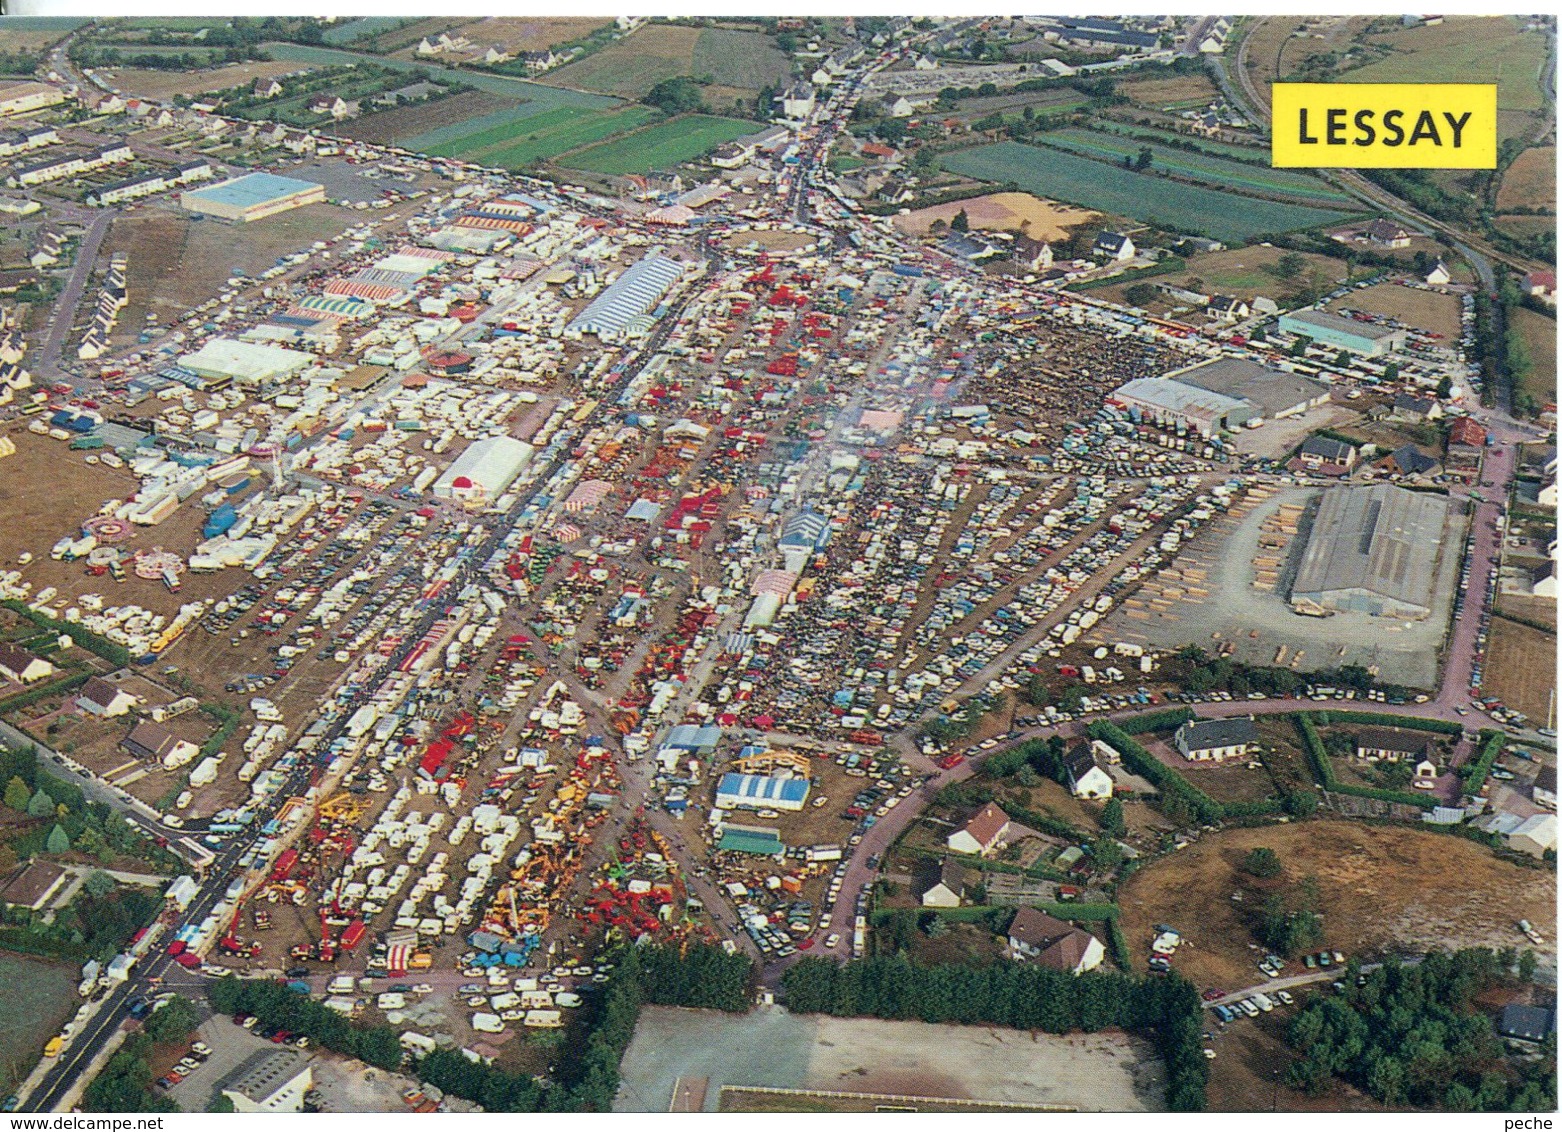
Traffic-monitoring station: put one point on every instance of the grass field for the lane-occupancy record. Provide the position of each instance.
(393, 127)
(1475, 49)
(1199, 167)
(1139, 196)
(34, 33)
(1531, 181)
(661, 146)
(745, 60)
(633, 65)
(1540, 335)
(161, 86)
(494, 137)
(351, 31)
(571, 133)
(1521, 668)
(1180, 92)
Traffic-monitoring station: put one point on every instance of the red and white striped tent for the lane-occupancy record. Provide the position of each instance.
(566, 532)
(778, 582)
(587, 496)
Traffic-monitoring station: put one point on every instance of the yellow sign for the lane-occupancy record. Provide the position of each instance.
(1384, 125)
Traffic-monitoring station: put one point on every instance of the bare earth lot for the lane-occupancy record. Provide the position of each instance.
(1049, 220)
(1521, 665)
(161, 86)
(1094, 1072)
(390, 127)
(1531, 181)
(1380, 887)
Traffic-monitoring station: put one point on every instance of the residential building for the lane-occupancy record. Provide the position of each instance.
(947, 887)
(983, 834)
(34, 885)
(1529, 1024)
(1544, 791)
(103, 699)
(1319, 452)
(23, 97)
(1085, 778)
(155, 743)
(1387, 234)
(1215, 740)
(798, 101)
(1439, 276)
(1114, 246)
(1225, 308)
(1391, 745)
(22, 667)
(1051, 942)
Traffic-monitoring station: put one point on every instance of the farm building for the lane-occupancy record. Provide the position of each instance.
(1051, 942)
(1213, 740)
(248, 363)
(21, 666)
(760, 792)
(252, 197)
(1372, 550)
(1176, 404)
(983, 834)
(624, 306)
(1534, 835)
(1272, 393)
(1338, 332)
(484, 470)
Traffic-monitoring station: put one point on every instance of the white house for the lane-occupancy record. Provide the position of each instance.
(1051, 942)
(21, 666)
(1438, 275)
(1085, 778)
(1114, 246)
(983, 835)
(947, 889)
(101, 698)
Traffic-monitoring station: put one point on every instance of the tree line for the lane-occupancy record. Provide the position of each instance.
(1415, 1036)
(1017, 996)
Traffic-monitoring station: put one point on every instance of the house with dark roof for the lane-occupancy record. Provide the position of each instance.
(1051, 942)
(1544, 790)
(946, 888)
(1410, 461)
(1085, 778)
(1409, 407)
(983, 834)
(1521, 1023)
(1387, 234)
(1318, 452)
(101, 698)
(1035, 255)
(33, 885)
(1213, 740)
(1391, 745)
(1226, 308)
(152, 741)
(21, 666)
(1114, 246)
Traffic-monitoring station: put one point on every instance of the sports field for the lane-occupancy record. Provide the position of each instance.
(1197, 166)
(1139, 196)
(661, 146)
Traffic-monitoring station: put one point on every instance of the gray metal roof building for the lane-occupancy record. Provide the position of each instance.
(1373, 550)
(1169, 401)
(632, 295)
(1274, 393)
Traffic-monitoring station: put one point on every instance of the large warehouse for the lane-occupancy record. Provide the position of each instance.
(252, 197)
(1171, 403)
(625, 306)
(1272, 393)
(484, 470)
(1327, 329)
(248, 363)
(1372, 549)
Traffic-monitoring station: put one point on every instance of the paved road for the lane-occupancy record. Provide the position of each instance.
(46, 363)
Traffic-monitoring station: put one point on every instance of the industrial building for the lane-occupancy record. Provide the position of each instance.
(1326, 329)
(248, 363)
(270, 1081)
(1372, 549)
(1176, 404)
(252, 197)
(484, 470)
(1273, 393)
(760, 792)
(623, 308)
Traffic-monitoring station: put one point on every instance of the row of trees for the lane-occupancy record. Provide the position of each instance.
(1413, 1035)
(1019, 996)
(276, 1005)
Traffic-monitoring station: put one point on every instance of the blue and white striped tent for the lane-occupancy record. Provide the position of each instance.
(633, 294)
(760, 792)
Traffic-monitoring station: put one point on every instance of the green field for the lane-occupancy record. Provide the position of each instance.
(1485, 51)
(349, 31)
(744, 59)
(661, 146)
(467, 146)
(1111, 188)
(576, 131)
(1215, 171)
(41, 998)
